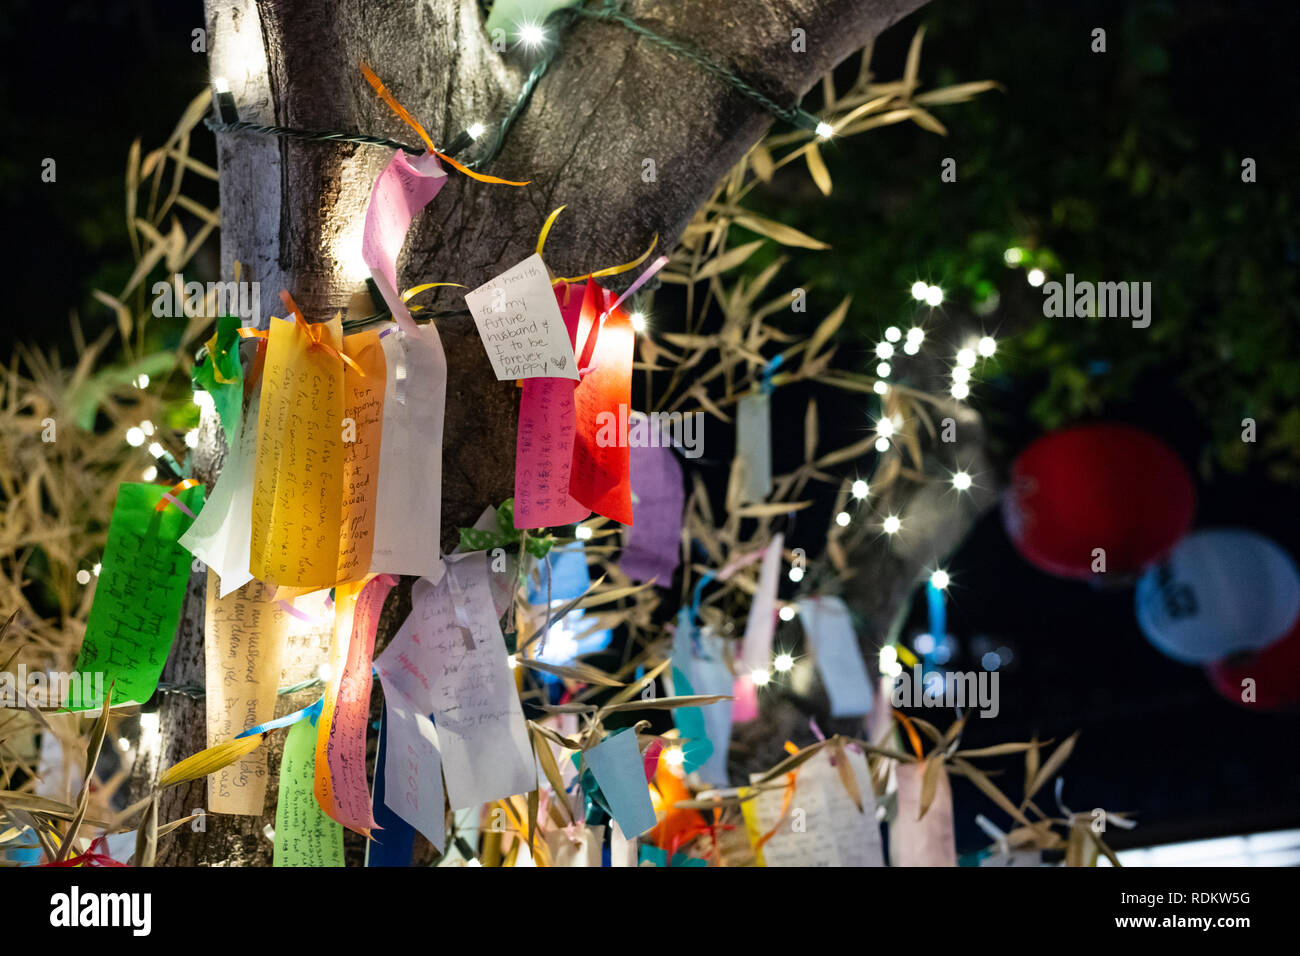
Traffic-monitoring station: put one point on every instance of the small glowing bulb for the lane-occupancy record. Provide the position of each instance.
(760, 677)
(987, 346)
(146, 427)
(960, 390)
(220, 84)
(960, 374)
(582, 532)
(843, 518)
(825, 130)
(83, 576)
(884, 350)
(135, 437)
(142, 381)
(860, 489)
(920, 290)
(885, 427)
(96, 569)
(638, 321)
(474, 863)
(511, 662)
(674, 756)
(892, 334)
(783, 663)
(880, 388)
(912, 346)
(934, 296)
(1013, 256)
(1036, 277)
(124, 743)
(150, 473)
(192, 438)
(796, 574)
(531, 35)
(882, 445)
(916, 333)
(475, 130)
(940, 579)
(961, 481)
(966, 358)
(892, 524)
(883, 369)
(156, 449)
(786, 614)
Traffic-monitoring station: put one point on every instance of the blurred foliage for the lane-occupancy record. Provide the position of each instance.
(1115, 166)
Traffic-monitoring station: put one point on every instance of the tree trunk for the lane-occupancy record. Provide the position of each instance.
(292, 211)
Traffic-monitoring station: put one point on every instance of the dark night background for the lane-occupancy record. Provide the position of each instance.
(1122, 165)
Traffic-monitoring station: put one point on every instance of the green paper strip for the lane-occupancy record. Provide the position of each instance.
(304, 835)
(222, 377)
(142, 581)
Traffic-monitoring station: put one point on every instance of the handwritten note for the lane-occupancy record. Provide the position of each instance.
(138, 597)
(616, 764)
(922, 841)
(824, 826)
(521, 325)
(756, 651)
(413, 769)
(754, 445)
(341, 787)
(599, 478)
(408, 666)
(363, 410)
(829, 628)
(221, 535)
(243, 641)
(298, 483)
(394, 844)
(544, 438)
(409, 505)
(304, 835)
(652, 546)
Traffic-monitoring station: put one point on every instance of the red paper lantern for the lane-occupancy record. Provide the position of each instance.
(1275, 670)
(1097, 486)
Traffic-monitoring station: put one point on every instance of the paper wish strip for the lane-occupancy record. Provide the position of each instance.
(544, 438)
(363, 411)
(576, 845)
(922, 841)
(754, 445)
(413, 769)
(304, 835)
(142, 580)
(521, 325)
(221, 535)
(341, 786)
(244, 641)
(298, 483)
(653, 545)
(616, 764)
(829, 628)
(600, 477)
(824, 826)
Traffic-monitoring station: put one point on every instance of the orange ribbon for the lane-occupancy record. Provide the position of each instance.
(169, 496)
(912, 735)
(786, 800)
(405, 116)
(313, 331)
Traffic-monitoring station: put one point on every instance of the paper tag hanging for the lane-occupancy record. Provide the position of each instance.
(754, 445)
(243, 641)
(922, 841)
(829, 629)
(616, 764)
(138, 597)
(363, 412)
(304, 835)
(298, 486)
(652, 546)
(521, 326)
(545, 436)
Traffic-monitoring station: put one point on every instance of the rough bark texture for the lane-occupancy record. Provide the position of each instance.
(292, 213)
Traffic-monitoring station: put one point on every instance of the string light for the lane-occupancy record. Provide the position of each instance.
(220, 84)
(966, 358)
(674, 756)
(880, 388)
(892, 334)
(885, 427)
(883, 369)
(961, 481)
(83, 576)
(960, 374)
(960, 390)
(843, 518)
(582, 532)
(786, 614)
(1013, 256)
(146, 427)
(476, 130)
(142, 381)
(884, 350)
(1036, 277)
(934, 296)
(940, 579)
(638, 321)
(860, 489)
(825, 130)
(882, 445)
(135, 436)
(783, 663)
(96, 569)
(760, 677)
(156, 449)
(796, 574)
(892, 525)
(150, 473)
(920, 290)
(531, 35)
(987, 346)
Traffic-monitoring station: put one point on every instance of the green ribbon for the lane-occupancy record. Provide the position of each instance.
(506, 535)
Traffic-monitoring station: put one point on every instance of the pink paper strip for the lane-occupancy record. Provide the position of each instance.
(544, 439)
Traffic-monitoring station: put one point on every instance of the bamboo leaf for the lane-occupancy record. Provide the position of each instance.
(817, 167)
(779, 231)
(728, 260)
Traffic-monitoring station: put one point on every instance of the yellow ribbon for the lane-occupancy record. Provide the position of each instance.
(405, 116)
(599, 273)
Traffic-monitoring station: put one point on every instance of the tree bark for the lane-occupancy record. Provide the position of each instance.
(292, 211)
